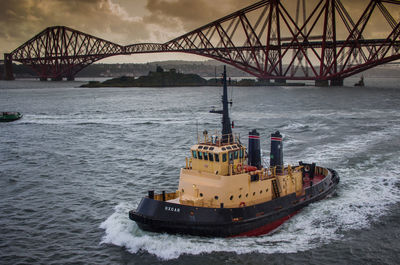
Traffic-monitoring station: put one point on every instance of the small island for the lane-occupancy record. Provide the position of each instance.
(172, 78)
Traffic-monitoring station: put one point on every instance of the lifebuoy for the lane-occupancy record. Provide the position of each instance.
(242, 204)
(239, 167)
(307, 168)
(250, 168)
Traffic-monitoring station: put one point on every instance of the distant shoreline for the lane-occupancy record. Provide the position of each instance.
(172, 78)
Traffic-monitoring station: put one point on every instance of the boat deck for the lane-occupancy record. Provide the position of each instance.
(317, 179)
(176, 201)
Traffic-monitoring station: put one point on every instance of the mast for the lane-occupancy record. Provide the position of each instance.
(226, 122)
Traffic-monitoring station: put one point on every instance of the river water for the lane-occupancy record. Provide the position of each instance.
(81, 158)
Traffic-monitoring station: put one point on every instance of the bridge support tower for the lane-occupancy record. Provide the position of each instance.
(280, 82)
(320, 82)
(8, 69)
(57, 78)
(337, 82)
(264, 81)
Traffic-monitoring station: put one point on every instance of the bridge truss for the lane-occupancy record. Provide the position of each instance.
(59, 51)
(267, 39)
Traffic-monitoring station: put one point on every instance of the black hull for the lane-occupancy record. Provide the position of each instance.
(161, 216)
(10, 119)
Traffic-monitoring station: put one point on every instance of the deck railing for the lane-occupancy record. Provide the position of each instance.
(218, 139)
(271, 172)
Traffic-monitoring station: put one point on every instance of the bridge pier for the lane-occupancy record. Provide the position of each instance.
(8, 69)
(280, 82)
(337, 82)
(321, 83)
(264, 81)
(57, 78)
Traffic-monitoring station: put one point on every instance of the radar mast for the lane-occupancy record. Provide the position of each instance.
(226, 122)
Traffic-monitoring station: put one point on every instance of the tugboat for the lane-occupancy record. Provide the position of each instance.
(224, 191)
(10, 116)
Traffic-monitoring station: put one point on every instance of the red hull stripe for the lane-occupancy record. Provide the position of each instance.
(266, 228)
(276, 139)
(254, 137)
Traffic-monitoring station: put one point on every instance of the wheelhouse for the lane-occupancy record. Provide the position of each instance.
(218, 158)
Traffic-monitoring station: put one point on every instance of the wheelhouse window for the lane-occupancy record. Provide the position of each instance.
(216, 156)
(205, 156)
(236, 154)
(241, 153)
(194, 153)
(230, 156)
(211, 157)
(200, 155)
(224, 157)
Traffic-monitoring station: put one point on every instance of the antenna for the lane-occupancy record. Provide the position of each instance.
(226, 123)
(197, 129)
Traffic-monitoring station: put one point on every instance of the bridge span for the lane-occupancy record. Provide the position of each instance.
(325, 41)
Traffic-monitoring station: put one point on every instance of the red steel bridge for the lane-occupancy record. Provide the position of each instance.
(327, 40)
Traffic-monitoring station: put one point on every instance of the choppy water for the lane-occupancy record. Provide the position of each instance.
(81, 158)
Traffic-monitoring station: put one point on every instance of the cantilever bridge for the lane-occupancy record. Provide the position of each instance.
(327, 40)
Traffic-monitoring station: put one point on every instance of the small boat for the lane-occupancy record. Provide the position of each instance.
(10, 116)
(225, 191)
(360, 82)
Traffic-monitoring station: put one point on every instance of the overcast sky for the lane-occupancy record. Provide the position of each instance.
(120, 21)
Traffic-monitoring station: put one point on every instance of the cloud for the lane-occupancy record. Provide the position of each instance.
(22, 19)
(190, 14)
(129, 22)
(114, 20)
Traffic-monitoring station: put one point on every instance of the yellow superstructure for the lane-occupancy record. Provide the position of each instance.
(217, 175)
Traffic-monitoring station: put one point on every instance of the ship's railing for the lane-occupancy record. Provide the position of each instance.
(218, 139)
(260, 174)
(188, 161)
(272, 172)
(163, 196)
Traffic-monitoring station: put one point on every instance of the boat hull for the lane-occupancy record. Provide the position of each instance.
(163, 216)
(10, 116)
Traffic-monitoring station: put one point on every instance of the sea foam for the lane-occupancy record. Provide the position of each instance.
(363, 195)
(367, 189)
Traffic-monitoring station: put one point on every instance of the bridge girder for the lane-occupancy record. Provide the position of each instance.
(60, 51)
(263, 39)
